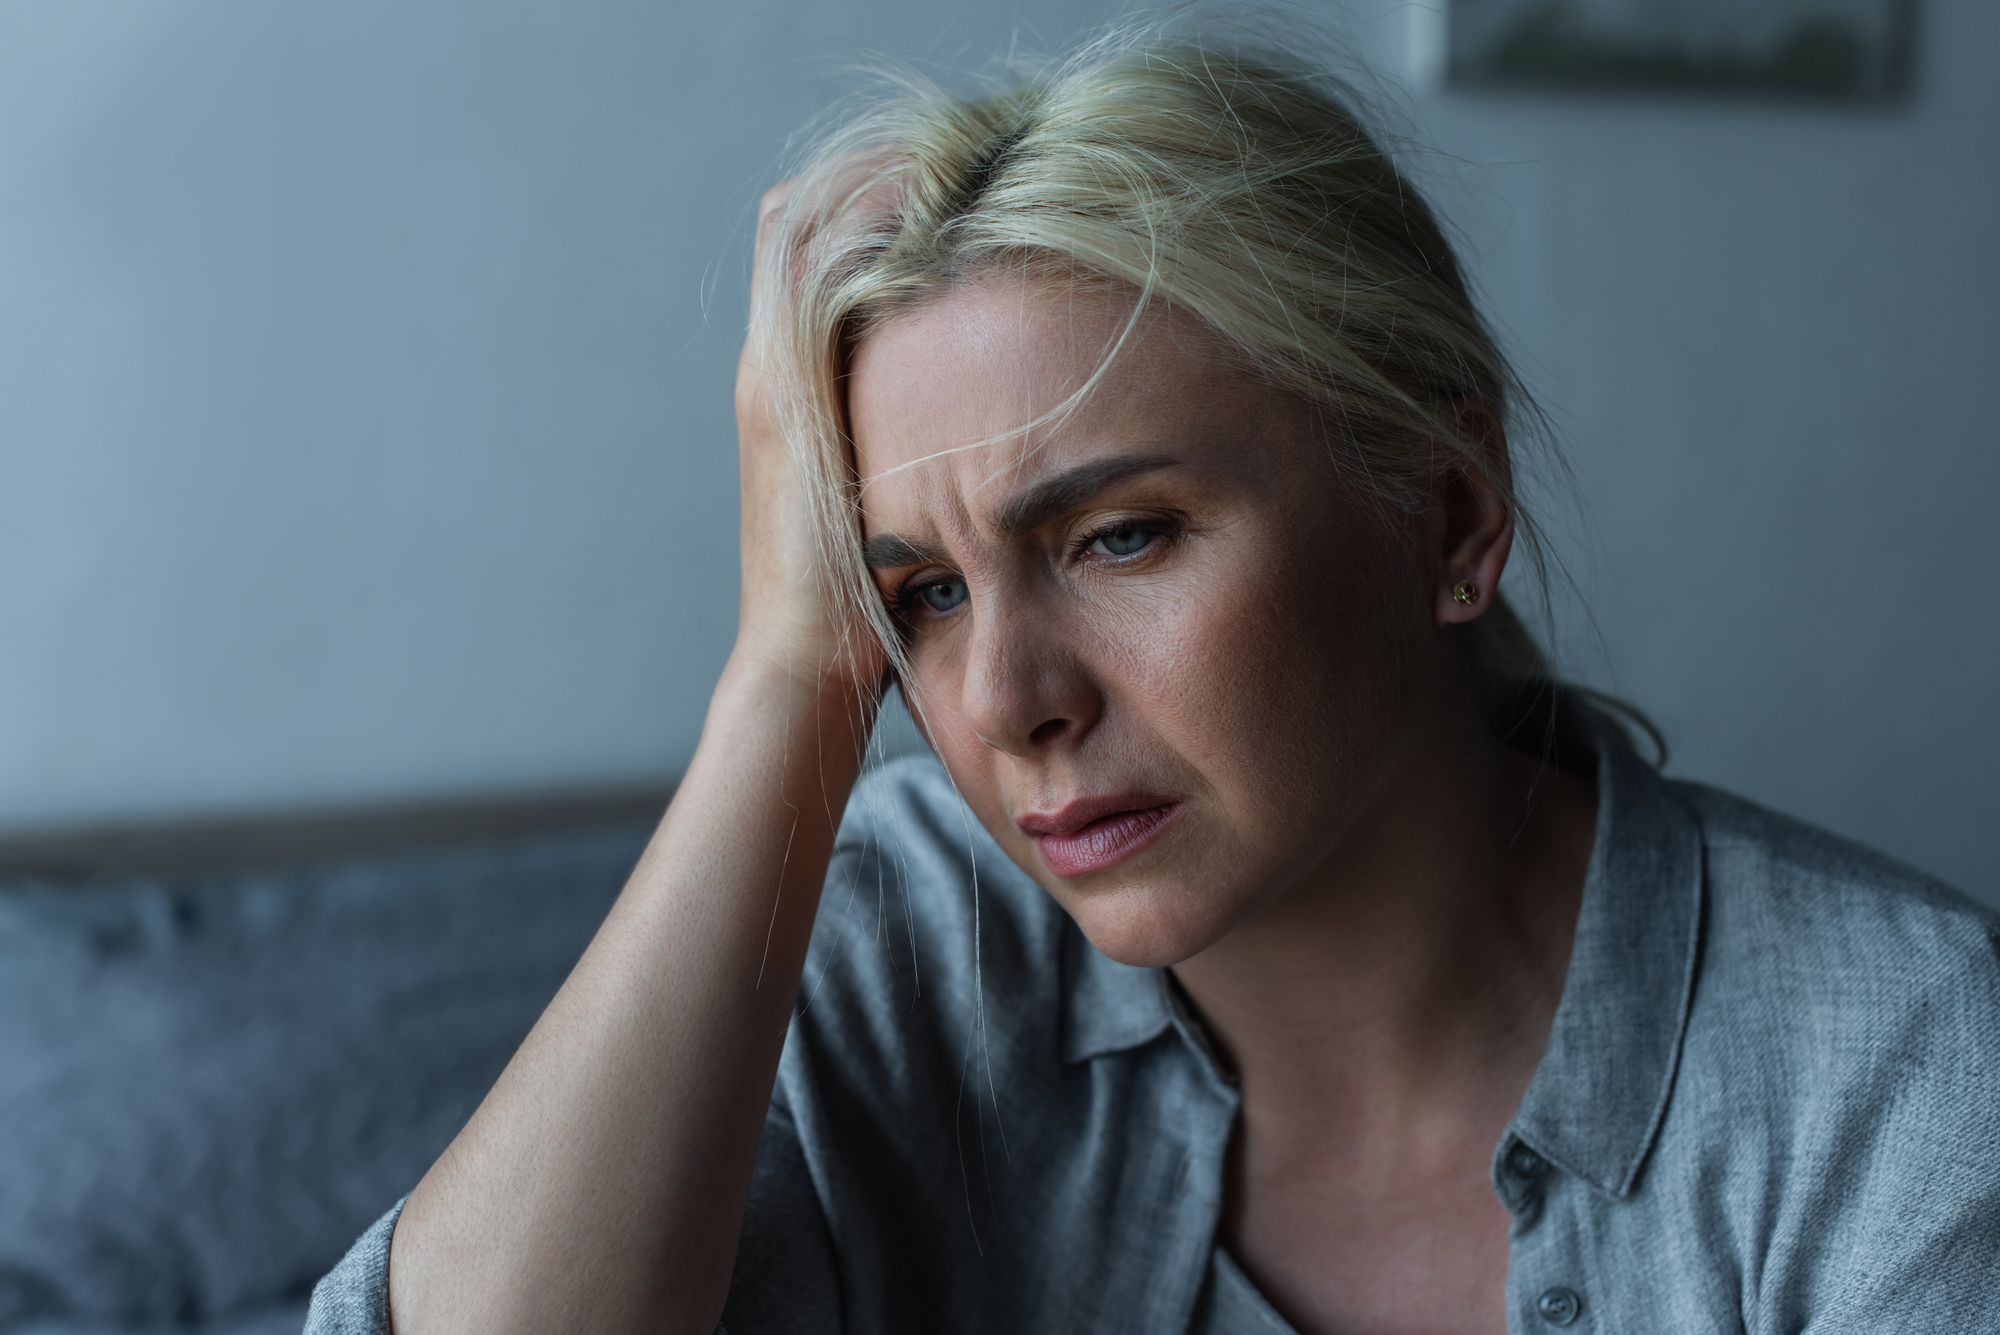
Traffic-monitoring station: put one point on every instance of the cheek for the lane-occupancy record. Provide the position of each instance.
(1276, 678)
(981, 774)
(933, 693)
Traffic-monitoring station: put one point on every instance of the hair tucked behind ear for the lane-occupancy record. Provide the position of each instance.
(1233, 184)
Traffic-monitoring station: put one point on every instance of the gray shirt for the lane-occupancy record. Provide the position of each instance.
(1770, 1100)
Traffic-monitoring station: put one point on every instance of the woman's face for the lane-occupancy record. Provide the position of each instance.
(1164, 656)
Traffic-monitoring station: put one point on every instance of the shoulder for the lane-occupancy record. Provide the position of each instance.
(1839, 1071)
(1828, 1157)
(1831, 915)
(1814, 946)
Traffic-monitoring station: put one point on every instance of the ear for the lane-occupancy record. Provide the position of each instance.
(1477, 529)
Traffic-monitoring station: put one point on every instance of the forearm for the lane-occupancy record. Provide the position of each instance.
(600, 1185)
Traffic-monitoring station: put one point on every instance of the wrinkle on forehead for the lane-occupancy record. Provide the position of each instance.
(1073, 346)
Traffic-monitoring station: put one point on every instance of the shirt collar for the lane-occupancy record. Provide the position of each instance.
(1108, 1006)
(1595, 1103)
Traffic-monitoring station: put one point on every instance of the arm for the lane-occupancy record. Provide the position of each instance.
(600, 1185)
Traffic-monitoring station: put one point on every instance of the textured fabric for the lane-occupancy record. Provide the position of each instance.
(354, 1298)
(210, 1082)
(1770, 1101)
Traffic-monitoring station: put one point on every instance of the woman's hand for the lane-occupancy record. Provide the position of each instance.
(790, 617)
(600, 1185)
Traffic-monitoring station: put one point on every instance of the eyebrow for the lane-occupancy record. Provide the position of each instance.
(1052, 496)
(1032, 508)
(890, 551)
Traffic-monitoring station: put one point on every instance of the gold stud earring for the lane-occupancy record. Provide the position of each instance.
(1465, 591)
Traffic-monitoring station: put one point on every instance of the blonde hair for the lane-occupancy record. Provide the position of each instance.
(1233, 185)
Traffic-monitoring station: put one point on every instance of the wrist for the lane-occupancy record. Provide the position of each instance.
(793, 681)
(807, 730)
(850, 664)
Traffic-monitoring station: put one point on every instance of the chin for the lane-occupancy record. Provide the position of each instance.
(1145, 925)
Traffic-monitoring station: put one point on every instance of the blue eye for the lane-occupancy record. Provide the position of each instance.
(1126, 541)
(943, 595)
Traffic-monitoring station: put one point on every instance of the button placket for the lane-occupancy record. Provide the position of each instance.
(1544, 1243)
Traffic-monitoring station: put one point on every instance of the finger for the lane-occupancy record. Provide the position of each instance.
(774, 199)
(769, 205)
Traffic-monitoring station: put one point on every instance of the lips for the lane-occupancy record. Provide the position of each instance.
(1092, 834)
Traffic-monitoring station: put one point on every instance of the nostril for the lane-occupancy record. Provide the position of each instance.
(1049, 731)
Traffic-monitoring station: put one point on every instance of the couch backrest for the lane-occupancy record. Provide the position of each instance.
(212, 1082)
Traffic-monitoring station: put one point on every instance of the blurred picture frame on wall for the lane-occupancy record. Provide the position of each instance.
(1843, 51)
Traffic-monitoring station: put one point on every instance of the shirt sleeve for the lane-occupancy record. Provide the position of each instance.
(353, 1299)
(785, 1281)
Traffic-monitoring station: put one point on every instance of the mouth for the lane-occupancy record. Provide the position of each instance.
(1092, 834)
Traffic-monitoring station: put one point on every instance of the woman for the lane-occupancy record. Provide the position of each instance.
(1269, 947)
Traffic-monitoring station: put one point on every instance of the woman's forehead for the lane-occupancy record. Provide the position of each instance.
(976, 392)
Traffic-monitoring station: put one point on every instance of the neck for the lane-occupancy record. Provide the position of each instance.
(1405, 987)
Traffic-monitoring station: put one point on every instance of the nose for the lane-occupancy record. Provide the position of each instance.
(1026, 687)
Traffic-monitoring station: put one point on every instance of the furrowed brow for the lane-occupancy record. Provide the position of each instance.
(1053, 496)
(889, 551)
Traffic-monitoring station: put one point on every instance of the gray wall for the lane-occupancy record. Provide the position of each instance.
(364, 375)
(1770, 337)
(364, 385)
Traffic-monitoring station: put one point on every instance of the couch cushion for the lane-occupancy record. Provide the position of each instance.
(211, 1083)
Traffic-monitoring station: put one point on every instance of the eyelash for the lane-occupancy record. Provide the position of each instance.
(903, 604)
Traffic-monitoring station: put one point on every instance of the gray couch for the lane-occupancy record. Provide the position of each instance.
(211, 1081)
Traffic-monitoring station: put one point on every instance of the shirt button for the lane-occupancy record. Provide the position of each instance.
(1525, 1163)
(1559, 1306)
